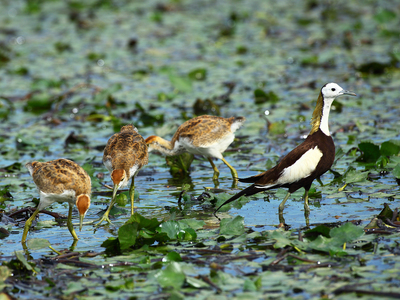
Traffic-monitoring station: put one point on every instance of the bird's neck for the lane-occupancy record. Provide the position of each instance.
(164, 146)
(320, 115)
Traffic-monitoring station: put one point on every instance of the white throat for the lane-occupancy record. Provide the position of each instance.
(324, 126)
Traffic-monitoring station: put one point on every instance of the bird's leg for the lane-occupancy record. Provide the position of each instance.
(69, 223)
(281, 218)
(28, 224)
(132, 193)
(282, 205)
(216, 172)
(233, 171)
(306, 207)
(105, 216)
(113, 200)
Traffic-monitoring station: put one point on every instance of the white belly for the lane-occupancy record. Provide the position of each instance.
(302, 168)
(211, 150)
(47, 199)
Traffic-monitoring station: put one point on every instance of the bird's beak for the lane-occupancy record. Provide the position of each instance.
(81, 221)
(344, 92)
(115, 189)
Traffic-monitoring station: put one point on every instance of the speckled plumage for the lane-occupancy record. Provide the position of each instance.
(60, 180)
(204, 135)
(124, 155)
(126, 149)
(60, 175)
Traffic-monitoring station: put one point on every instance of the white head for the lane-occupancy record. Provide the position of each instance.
(333, 90)
(321, 113)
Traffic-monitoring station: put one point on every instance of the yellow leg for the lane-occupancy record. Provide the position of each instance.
(69, 223)
(233, 171)
(132, 194)
(28, 224)
(282, 205)
(105, 216)
(216, 172)
(306, 207)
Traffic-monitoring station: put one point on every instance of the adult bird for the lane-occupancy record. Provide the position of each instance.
(60, 180)
(303, 164)
(125, 154)
(204, 135)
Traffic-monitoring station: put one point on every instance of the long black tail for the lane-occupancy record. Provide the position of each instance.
(251, 190)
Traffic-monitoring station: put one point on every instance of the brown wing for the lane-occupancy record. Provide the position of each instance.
(203, 130)
(126, 149)
(324, 143)
(59, 175)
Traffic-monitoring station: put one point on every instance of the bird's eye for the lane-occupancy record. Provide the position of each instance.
(333, 89)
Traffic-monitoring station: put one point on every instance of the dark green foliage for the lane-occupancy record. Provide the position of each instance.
(206, 107)
(179, 165)
(260, 96)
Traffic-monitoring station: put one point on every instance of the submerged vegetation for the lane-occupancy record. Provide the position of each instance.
(72, 73)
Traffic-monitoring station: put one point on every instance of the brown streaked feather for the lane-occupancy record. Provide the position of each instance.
(126, 149)
(59, 175)
(205, 130)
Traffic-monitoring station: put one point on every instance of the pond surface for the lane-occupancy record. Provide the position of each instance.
(72, 73)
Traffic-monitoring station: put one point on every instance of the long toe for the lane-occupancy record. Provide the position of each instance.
(104, 218)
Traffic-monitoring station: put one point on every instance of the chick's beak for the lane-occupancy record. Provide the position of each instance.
(81, 222)
(115, 189)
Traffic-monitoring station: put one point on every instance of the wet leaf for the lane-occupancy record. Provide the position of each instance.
(206, 107)
(261, 96)
(396, 171)
(172, 256)
(127, 235)
(196, 283)
(198, 74)
(171, 228)
(389, 148)
(180, 164)
(346, 233)
(384, 15)
(20, 256)
(37, 243)
(233, 226)
(370, 152)
(171, 276)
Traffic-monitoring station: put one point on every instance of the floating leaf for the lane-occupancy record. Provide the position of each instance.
(206, 107)
(172, 256)
(196, 283)
(389, 148)
(346, 233)
(313, 233)
(277, 127)
(370, 152)
(198, 74)
(171, 228)
(171, 276)
(36, 243)
(396, 171)
(355, 176)
(261, 96)
(20, 256)
(127, 235)
(180, 164)
(384, 15)
(233, 226)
